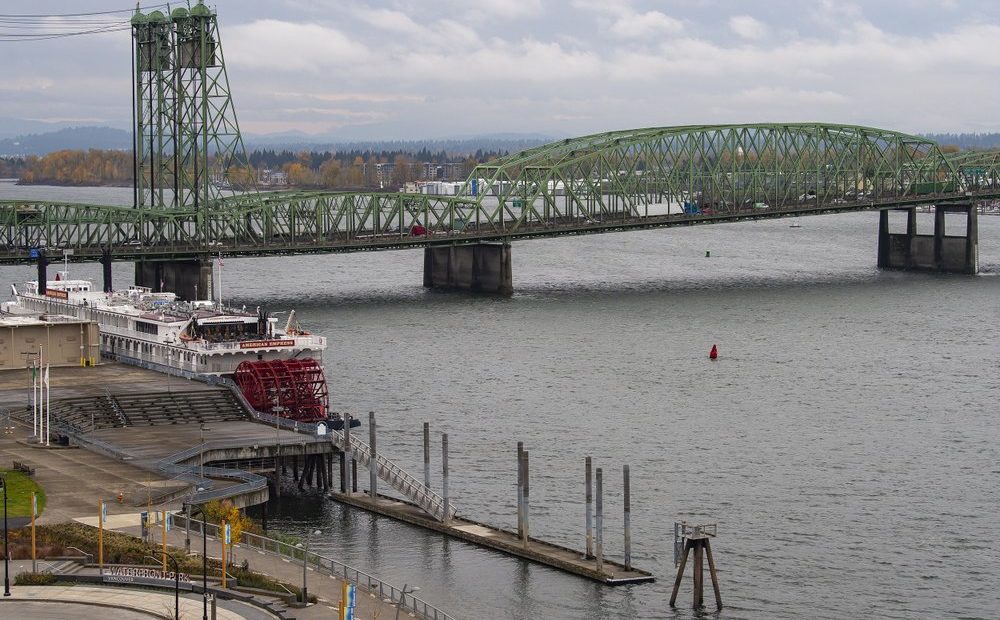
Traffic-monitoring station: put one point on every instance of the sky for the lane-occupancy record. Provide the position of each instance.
(412, 69)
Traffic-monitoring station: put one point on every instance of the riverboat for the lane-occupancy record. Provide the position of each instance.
(159, 331)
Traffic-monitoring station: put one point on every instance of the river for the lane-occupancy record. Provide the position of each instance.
(845, 441)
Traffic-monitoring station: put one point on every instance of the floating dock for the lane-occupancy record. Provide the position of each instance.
(555, 556)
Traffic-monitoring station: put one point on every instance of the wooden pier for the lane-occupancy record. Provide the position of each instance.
(555, 556)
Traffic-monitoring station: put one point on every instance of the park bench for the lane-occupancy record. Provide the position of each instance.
(24, 468)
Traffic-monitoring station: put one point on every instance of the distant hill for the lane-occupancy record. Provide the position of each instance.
(453, 146)
(966, 141)
(70, 138)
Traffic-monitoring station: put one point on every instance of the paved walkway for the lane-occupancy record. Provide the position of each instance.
(324, 586)
(85, 601)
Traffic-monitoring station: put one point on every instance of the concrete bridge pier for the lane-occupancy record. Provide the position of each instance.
(939, 251)
(189, 279)
(479, 267)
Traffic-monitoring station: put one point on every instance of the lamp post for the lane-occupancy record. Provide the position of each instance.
(402, 597)
(305, 563)
(6, 553)
(204, 563)
(177, 588)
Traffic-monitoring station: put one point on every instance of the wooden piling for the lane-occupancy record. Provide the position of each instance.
(295, 468)
(373, 464)
(600, 520)
(354, 475)
(712, 572)
(628, 518)
(588, 477)
(699, 576)
(701, 547)
(680, 574)
(444, 477)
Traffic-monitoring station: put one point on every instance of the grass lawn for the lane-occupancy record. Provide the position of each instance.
(19, 488)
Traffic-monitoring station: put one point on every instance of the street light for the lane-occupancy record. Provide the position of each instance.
(6, 551)
(305, 563)
(177, 615)
(204, 563)
(402, 597)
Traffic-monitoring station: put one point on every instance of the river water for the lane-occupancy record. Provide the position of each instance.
(845, 441)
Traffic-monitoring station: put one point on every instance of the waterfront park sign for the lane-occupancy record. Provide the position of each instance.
(133, 575)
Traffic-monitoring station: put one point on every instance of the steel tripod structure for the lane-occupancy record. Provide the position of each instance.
(195, 195)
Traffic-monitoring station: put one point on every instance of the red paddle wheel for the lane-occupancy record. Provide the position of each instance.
(297, 386)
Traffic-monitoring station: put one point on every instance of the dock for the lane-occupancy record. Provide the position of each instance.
(555, 556)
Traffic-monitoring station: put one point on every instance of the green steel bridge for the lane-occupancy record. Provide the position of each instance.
(617, 181)
(195, 195)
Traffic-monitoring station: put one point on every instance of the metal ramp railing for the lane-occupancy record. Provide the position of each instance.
(115, 407)
(399, 479)
(387, 471)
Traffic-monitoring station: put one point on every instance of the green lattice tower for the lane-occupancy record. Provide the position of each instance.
(188, 141)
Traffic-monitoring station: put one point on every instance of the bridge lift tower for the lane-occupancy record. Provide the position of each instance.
(188, 150)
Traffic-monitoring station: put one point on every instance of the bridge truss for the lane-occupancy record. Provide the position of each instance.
(195, 191)
(611, 181)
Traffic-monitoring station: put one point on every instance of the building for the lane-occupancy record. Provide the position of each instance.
(62, 341)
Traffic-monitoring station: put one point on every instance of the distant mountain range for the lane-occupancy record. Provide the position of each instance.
(966, 141)
(71, 138)
(83, 138)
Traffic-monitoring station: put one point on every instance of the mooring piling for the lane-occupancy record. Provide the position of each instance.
(588, 476)
(427, 454)
(525, 506)
(444, 477)
(600, 520)
(349, 468)
(628, 518)
(520, 489)
(373, 463)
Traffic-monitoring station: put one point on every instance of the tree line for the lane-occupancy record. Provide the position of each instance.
(348, 169)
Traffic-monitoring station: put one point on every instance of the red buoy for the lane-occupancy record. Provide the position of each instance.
(714, 353)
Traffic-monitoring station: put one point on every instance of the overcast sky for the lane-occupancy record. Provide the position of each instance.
(445, 68)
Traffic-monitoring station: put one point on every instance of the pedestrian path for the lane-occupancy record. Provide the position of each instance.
(84, 601)
(324, 586)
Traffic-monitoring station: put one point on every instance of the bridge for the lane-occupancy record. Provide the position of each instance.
(194, 197)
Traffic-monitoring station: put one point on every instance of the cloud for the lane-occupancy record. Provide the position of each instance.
(509, 9)
(393, 21)
(639, 25)
(771, 95)
(290, 46)
(747, 27)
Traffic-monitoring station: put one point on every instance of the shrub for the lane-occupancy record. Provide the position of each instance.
(34, 579)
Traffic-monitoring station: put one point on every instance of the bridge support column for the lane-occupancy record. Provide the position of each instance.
(43, 263)
(106, 269)
(935, 252)
(479, 267)
(189, 279)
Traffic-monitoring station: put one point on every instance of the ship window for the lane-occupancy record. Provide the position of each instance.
(146, 328)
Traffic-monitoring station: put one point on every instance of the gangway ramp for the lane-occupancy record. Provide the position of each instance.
(387, 471)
